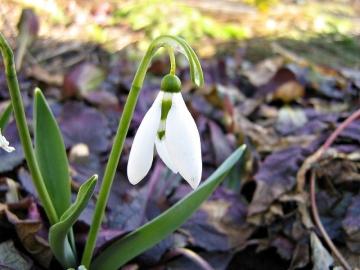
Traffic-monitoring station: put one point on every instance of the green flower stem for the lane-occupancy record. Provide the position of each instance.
(123, 128)
(172, 60)
(24, 133)
(115, 157)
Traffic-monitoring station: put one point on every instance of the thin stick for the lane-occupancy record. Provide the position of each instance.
(321, 228)
(339, 129)
(314, 208)
(193, 257)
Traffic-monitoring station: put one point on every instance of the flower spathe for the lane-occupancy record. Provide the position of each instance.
(4, 144)
(169, 126)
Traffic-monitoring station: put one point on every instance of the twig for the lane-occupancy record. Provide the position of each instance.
(192, 256)
(321, 228)
(339, 129)
(302, 172)
(317, 155)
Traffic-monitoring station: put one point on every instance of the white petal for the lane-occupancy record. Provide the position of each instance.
(164, 154)
(183, 141)
(4, 144)
(8, 149)
(142, 150)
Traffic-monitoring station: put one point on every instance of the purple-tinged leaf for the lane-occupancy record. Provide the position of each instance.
(351, 225)
(9, 161)
(220, 142)
(81, 124)
(277, 175)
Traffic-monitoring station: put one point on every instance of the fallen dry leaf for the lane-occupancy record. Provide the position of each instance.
(320, 256)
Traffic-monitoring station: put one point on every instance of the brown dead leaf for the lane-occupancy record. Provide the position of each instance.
(28, 233)
(218, 216)
(42, 75)
(83, 78)
(275, 177)
(301, 256)
(262, 72)
(265, 139)
(352, 258)
(339, 168)
(289, 91)
(11, 258)
(320, 256)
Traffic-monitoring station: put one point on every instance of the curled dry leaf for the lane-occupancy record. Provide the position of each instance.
(351, 225)
(276, 176)
(284, 86)
(29, 232)
(220, 224)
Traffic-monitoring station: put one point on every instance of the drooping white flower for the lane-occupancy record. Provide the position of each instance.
(4, 144)
(169, 126)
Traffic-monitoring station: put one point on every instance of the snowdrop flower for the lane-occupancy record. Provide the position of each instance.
(170, 127)
(4, 144)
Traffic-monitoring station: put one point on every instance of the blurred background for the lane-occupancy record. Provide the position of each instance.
(205, 24)
(279, 76)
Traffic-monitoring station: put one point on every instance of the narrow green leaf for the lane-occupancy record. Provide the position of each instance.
(51, 154)
(136, 242)
(58, 235)
(5, 116)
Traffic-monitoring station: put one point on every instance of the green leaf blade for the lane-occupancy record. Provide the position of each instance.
(51, 154)
(5, 116)
(136, 242)
(58, 234)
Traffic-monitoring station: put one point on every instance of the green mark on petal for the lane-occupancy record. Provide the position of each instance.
(161, 134)
(165, 108)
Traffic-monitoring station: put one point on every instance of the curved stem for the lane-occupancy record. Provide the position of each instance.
(197, 77)
(172, 60)
(24, 134)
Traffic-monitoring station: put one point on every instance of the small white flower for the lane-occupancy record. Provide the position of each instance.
(4, 144)
(175, 137)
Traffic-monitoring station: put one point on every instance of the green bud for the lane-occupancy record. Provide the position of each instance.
(171, 83)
